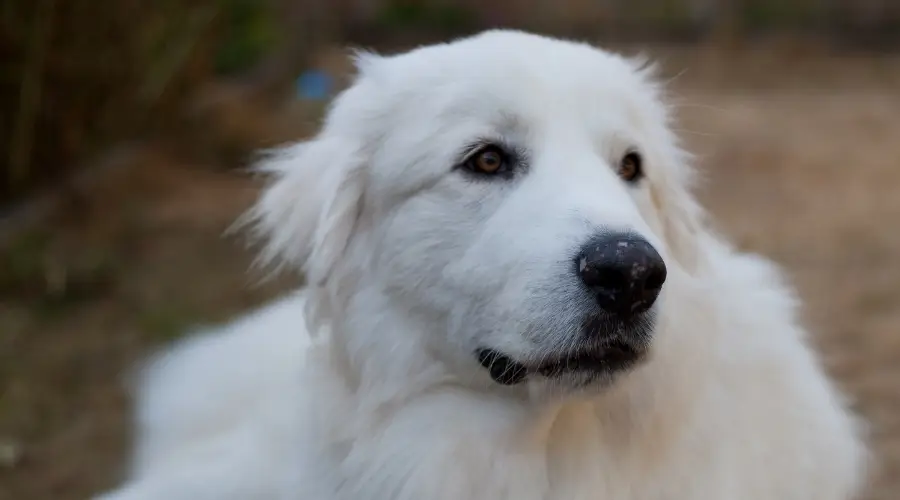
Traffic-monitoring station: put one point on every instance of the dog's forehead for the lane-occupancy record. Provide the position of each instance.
(499, 75)
(514, 55)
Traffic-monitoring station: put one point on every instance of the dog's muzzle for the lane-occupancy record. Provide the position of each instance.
(624, 274)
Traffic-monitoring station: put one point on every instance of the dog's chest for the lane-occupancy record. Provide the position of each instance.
(576, 468)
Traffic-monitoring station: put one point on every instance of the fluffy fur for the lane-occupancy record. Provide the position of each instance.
(364, 385)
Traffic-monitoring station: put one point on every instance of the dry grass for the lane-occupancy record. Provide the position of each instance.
(803, 165)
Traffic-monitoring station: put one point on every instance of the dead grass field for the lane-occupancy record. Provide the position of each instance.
(802, 155)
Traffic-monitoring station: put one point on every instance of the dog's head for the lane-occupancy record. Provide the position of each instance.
(506, 205)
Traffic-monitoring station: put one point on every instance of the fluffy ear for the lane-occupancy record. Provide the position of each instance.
(682, 225)
(683, 219)
(306, 215)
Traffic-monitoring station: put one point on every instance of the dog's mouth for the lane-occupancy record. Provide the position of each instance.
(611, 357)
(606, 358)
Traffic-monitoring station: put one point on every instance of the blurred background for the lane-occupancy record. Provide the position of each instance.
(124, 128)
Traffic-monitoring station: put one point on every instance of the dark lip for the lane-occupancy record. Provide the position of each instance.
(503, 369)
(611, 356)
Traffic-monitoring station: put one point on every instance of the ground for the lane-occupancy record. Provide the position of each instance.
(800, 152)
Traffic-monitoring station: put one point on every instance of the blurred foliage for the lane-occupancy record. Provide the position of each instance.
(79, 74)
(439, 17)
(250, 32)
(781, 14)
(37, 269)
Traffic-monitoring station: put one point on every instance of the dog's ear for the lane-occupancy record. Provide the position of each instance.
(305, 217)
(683, 228)
(684, 222)
(683, 219)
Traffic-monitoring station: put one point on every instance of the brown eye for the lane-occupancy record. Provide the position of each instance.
(490, 160)
(631, 167)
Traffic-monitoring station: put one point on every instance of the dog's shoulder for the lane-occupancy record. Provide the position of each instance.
(772, 389)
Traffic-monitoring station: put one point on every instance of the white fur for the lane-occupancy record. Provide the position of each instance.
(364, 385)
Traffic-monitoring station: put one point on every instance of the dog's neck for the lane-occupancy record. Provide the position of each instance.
(458, 422)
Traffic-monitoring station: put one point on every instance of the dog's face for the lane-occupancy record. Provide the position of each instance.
(519, 201)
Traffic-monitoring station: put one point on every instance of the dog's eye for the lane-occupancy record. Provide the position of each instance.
(489, 160)
(631, 167)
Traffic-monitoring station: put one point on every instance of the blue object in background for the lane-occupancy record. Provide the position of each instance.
(314, 85)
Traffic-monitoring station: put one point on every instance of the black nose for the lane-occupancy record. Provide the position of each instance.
(624, 272)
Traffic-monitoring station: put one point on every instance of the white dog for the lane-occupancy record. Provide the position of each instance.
(512, 295)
